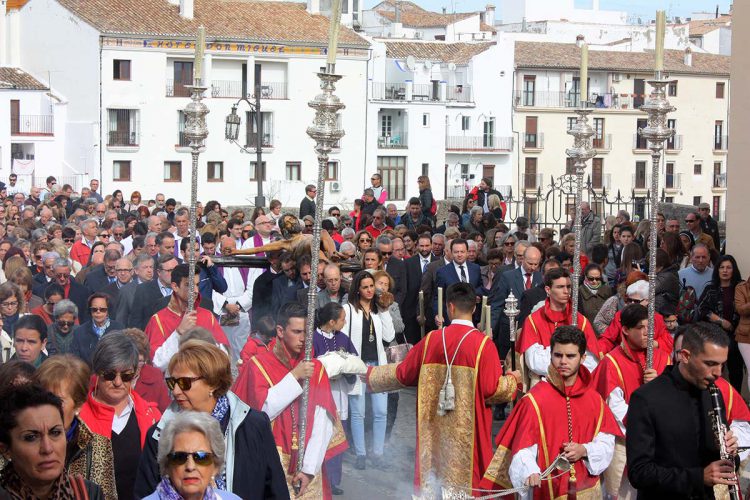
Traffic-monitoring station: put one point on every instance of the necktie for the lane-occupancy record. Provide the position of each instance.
(528, 281)
(463, 273)
(112, 279)
(424, 265)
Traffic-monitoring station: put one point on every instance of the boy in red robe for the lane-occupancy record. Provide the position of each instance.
(562, 418)
(534, 339)
(272, 381)
(166, 326)
(448, 443)
(621, 372)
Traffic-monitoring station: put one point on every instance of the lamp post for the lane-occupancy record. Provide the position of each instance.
(232, 126)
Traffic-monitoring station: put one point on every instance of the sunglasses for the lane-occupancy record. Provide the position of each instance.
(69, 240)
(111, 375)
(184, 383)
(65, 323)
(104, 235)
(98, 309)
(509, 243)
(633, 301)
(202, 458)
(386, 254)
(593, 278)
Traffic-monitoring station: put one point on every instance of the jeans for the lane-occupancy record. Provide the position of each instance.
(379, 404)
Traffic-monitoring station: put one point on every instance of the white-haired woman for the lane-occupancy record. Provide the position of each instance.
(191, 453)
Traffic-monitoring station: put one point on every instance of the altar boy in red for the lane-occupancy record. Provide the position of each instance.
(534, 339)
(621, 372)
(561, 416)
(450, 449)
(272, 381)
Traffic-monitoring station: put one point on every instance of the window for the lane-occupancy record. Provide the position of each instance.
(669, 180)
(669, 199)
(215, 171)
(697, 168)
(332, 171)
(386, 125)
(345, 6)
(530, 174)
(172, 171)
(465, 123)
(182, 141)
(293, 171)
(122, 127)
(529, 88)
(672, 123)
(253, 171)
(570, 166)
(696, 200)
(672, 89)
(640, 175)
(598, 142)
(121, 69)
(716, 205)
(183, 75)
(640, 141)
(531, 137)
(597, 173)
(571, 120)
(121, 171)
(426, 169)
(425, 119)
(393, 172)
(488, 171)
(720, 90)
(719, 179)
(488, 136)
(266, 129)
(719, 142)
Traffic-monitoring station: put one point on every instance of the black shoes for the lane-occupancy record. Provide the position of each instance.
(335, 490)
(360, 463)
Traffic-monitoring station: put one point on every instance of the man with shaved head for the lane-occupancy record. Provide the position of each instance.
(123, 275)
(518, 280)
(263, 227)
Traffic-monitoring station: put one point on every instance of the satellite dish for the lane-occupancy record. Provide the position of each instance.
(436, 67)
(428, 64)
(410, 63)
(452, 66)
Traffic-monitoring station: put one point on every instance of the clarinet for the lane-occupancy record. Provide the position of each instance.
(720, 429)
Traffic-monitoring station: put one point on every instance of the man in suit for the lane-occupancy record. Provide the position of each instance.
(105, 274)
(143, 266)
(459, 270)
(148, 296)
(285, 287)
(428, 284)
(416, 266)
(516, 281)
(307, 205)
(263, 287)
(395, 267)
(534, 295)
(74, 291)
(124, 275)
(41, 280)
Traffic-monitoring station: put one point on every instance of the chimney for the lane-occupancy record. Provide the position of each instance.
(717, 11)
(443, 10)
(489, 14)
(580, 40)
(398, 12)
(186, 9)
(688, 59)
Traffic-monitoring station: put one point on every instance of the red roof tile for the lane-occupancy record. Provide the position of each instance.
(14, 78)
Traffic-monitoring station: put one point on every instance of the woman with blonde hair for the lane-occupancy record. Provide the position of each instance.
(59, 247)
(23, 279)
(496, 209)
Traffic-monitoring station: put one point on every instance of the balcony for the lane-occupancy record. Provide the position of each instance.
(602, 144)
(533, 142)
(459, 93)
(487, 143)
(421, 92)
(640, 144)
(721, 144)
(177, 89)
(532, 182)
(425, 92)
(117, 138)
(673, 145)
(672, 182)
(550, 99)
(389, 91)
(393, 141)
(21, 125)
(720, 182)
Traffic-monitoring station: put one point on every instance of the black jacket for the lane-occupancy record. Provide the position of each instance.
(85, 340)
(306, 207)
(397, 269)
(263, 294)
(79, 295)
(425, 197)
(145, 303)
(711, 228)
(39, 284)
(96, 279)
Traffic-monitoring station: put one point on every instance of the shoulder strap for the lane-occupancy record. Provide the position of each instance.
(79, 488)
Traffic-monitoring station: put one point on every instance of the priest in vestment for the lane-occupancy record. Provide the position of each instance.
(561, 417)
(166, 326)
(453, 449)
(534, 338)
(272, 381)
(621, 372)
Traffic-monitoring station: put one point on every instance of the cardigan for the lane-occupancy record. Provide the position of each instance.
(382, 323)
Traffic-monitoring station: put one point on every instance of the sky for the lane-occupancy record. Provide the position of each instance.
(643, 8)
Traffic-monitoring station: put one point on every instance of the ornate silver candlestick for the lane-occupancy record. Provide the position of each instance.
(656, 132)
(581, 152)
(512, 312)
(326, 132)
(196, 132)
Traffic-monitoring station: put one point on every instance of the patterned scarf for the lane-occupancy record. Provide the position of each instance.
(221, 413)
(99, 330)
(166, 491)
(18, 490)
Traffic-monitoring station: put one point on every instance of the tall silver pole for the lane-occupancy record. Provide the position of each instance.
(581, 152)
(196, 132)
(656, 132)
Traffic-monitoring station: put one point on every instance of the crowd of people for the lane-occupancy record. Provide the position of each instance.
(110, 388)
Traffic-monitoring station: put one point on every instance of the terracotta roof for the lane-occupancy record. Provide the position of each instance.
(415, 16)
(704, 26)
(14, 4)
(568, 56)
(486, 27)
(14, 78)
(226, 20)
(458, 53)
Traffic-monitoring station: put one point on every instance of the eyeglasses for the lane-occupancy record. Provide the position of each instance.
(100, 211)
(628, 300)
(125, 270)
(594, 278)
(38, 257)
(98, 309)
(202, 458)
(184, 383)
(335, 214)
(509, 243)
(65, 323)
(111, 375)
(118, 235)
(365, 240)
(69, 240)
(689, 220)
(13, 303)
(104, 235)
(308, 225)
(386, 254)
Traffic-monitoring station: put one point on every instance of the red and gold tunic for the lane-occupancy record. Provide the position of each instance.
(540, 325)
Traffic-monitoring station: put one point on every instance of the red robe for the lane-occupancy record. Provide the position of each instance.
(163, 323)
(612, 336)
(736, 408)
(539, 327)
(268, 368)
(457, 447)
(540, 418)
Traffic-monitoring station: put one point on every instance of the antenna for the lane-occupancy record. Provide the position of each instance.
(428, 64)
(452, 66)
(410, 62)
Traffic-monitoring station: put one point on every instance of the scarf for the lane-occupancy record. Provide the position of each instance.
(100, 330)
(18, 490)
(166, 491)
(70, 434)
(221, 414)
(557, 317)
(593, 288)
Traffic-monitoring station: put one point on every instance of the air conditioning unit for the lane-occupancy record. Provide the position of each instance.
(335, 186)
(616, 77)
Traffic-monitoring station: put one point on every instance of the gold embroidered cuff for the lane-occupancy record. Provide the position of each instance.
(383, 378)
(506, 389)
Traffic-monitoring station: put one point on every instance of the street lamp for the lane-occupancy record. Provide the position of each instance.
(232, 133)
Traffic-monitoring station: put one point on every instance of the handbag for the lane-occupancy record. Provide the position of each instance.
(396, 353)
